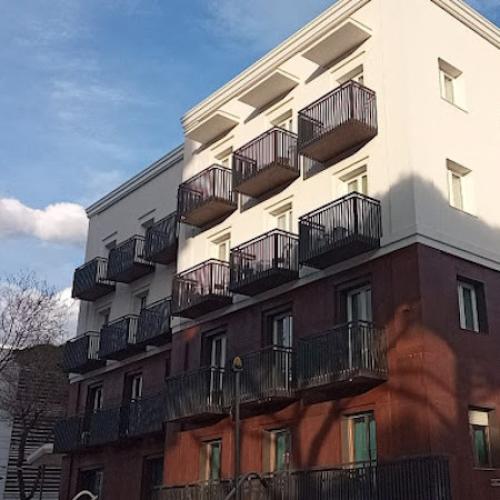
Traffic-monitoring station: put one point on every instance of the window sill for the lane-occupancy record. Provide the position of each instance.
(455, 105)
(472, 332)
(485, 469)
(463, 211)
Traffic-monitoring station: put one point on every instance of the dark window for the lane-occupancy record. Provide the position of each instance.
(213, 350)
(479, 423)
(277, 450)
(359, 438)
(91, 480)
(132, 389)
(152, 479)
(278, 327)
(472, 306)
(168, 364)
(210, 460)
(94, 398)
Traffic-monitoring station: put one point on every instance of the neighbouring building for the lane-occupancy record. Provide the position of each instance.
(332, 219)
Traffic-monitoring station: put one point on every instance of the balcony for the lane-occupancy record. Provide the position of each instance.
(153, 327)
(345, 361)
(409, 478)
(338, 122)
(206, 197)
(264, 263)
(90, 281)
(143, 416)
(349, 226)
(201, 289)
(68, 435)
(268, 162)
(197, 396)
(126, 261)
(81, 354)
(118, 339)
(161, 241)
(268, 378)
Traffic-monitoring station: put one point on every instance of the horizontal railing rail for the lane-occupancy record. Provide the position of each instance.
(267, 373)
(213, 183)
(275, 250)
(354, 217)
(80, 350)
(409, 478)
(161, 238)
(350, 101)
(154, 320)
(118, 335)
(210, 278)
(90, 275)
(339, 353)
(123, 257)
(195, 393)
(276, 146)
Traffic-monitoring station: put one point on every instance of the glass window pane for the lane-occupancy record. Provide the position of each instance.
(215, 459)
(480, 441)
(361, 443)
(456, 184)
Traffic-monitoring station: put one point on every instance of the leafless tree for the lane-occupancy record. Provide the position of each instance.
(31, 313)
(33, 393)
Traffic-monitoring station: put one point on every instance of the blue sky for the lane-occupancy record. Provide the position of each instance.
(91, 91)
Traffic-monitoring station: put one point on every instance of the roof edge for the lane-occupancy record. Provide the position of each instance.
(159, 166)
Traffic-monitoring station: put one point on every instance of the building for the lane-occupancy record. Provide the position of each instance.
(331, 219)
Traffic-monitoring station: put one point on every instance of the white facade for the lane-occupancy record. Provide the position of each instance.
(401, 48)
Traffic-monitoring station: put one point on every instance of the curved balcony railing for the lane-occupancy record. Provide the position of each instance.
(347, 227)
(337, 122)
(90, 281)
(266, 163)
(264, 262)
(206, 197)
(126, 262)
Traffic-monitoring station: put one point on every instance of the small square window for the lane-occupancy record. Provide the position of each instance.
(472, 307)
(221, 247)
(479, 424)
(355, 181)
(283, 217)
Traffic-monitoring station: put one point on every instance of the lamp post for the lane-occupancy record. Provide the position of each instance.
(237, 369)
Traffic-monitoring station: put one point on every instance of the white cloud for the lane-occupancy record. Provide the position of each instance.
(59, 222)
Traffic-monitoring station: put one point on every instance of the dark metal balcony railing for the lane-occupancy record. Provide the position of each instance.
(126, 262)
(118, 339)
(161, 240)
(106, 426)
(338, 121)
(268, 374)
(206, 197)
(264, 262)
(354, 351)
(82, 353)
(340, 230)
(412, 478)
(196, 395)
(201, 289)
(269, 161)
(153, 327)
(90, 281)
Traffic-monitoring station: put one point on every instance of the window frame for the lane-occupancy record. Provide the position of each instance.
(348, 437)
(479, 311)
(486, 429)
(206, 453)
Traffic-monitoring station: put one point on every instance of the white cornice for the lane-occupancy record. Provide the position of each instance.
(164, 163)
(295, 44)
(472, 19)
(307, 36)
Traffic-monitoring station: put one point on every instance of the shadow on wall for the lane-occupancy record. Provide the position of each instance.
(436, 370)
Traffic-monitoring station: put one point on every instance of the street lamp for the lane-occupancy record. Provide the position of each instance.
(237, 369)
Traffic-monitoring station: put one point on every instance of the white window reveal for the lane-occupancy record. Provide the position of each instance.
(285, 121)
(468, 305)
(222, 247)
(356, 75)
(452, 84)
(355, 181)
(460, 187)
(282, 217)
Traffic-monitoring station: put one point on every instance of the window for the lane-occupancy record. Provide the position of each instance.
(283, 218)
(281, 329)
(103, 317)
(224, 157)
(91, 480)
(451, 83)
(479, 423)
(277, 450)
(222, 247)
(152, 478)
(94, 398)
(285, 121)
(356, 75)
(136, 387)
(359, 438)
(140, 302)
(355, 181)
(459, 186)
(359, 304)
(210, 460)
(472, 305)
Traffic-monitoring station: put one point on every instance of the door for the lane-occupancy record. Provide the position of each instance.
(217, 364)
(359, 313)
(282, 340)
